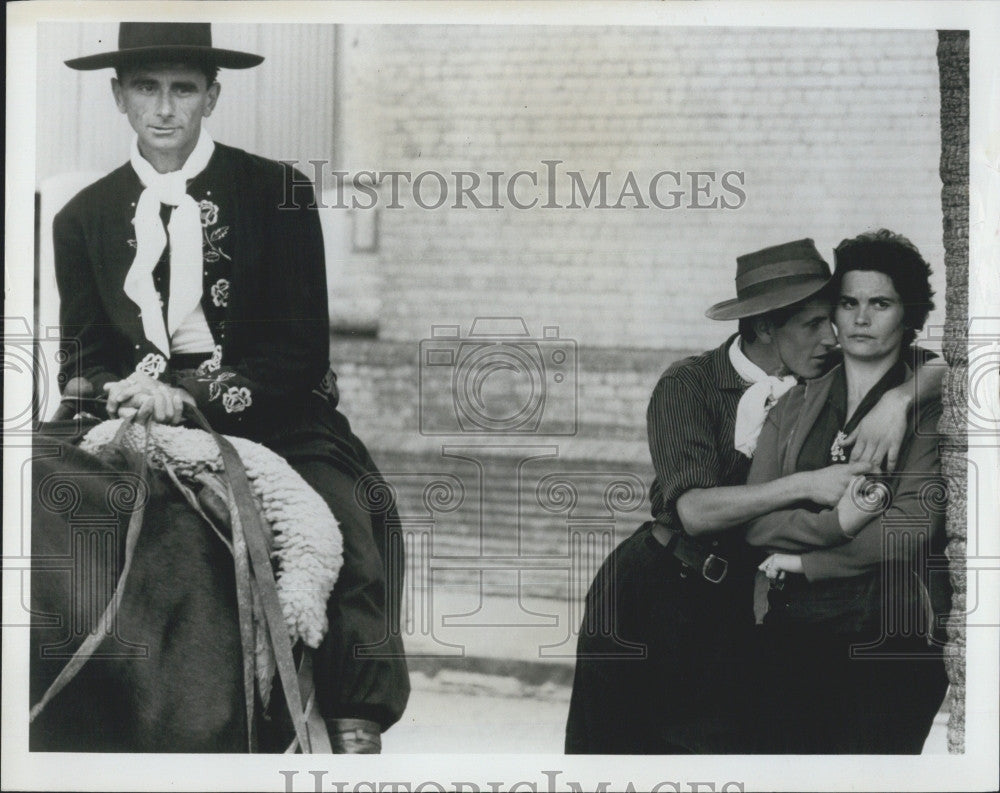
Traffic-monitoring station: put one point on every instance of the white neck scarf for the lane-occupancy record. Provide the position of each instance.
(756, 401)
(185, 234)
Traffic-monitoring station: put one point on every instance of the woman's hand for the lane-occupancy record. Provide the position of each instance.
(861, 502)
(777, 565)
(147, 398)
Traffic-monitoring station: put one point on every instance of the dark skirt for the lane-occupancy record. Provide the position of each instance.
(663, 658)
(841, 676)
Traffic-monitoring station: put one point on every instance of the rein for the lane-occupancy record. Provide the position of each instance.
(247, 522)
(254, 578)
(95, 637)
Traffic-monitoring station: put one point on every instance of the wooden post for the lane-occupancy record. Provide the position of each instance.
(953, 65)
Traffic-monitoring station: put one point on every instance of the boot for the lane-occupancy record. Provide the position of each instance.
(354, 736)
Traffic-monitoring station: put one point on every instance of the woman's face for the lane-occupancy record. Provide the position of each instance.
(869, 316)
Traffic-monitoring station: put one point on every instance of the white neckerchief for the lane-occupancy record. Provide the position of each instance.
(756, 401)
(185, 233)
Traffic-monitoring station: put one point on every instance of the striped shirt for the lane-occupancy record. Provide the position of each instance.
(691, 421)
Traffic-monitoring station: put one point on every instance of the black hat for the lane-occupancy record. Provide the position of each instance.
(773, 278)
(166, 41)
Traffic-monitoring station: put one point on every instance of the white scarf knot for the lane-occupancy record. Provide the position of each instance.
(185, 234)
(756, 401)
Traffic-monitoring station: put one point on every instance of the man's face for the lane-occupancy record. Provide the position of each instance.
(804, 342)
(165, 104)
(869, 316)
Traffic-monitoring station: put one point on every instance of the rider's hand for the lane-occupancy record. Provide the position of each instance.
(148, 398)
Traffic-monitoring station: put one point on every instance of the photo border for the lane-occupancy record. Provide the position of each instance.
(976, 768)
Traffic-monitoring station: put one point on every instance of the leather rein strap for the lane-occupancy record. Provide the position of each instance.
(252, 528)
(244, 587)
(104, 626)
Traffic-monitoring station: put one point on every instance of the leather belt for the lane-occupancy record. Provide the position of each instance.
(712, 568)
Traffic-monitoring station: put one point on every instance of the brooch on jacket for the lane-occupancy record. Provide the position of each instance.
(837, 453)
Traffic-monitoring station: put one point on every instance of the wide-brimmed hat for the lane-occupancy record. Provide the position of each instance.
(146, 42)
(773, 278)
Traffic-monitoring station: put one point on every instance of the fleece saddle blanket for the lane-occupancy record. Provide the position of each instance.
(305, 537)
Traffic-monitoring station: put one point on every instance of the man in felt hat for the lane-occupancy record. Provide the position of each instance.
(664, 658)
(185, 277)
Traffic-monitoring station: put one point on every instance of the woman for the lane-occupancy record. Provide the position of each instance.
(852, 665)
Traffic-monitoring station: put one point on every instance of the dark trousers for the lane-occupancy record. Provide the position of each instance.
(360, 668)
(834, 681)
(663, 658)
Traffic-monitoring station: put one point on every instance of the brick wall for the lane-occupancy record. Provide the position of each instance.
(835, 131)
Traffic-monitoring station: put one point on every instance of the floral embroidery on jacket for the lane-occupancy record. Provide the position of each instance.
(220, 293)
(211, 364)
(209, 217)
(236, 400)
(209, 213)
(215, 383)
(153, 365)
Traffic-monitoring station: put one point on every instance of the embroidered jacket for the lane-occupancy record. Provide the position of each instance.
(263, 290)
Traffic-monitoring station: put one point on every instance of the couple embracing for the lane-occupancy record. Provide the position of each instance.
(780, 601)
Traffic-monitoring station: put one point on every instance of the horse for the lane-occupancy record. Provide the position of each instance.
(168, 673)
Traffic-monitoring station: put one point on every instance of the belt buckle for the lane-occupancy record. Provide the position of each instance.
(327, 388)
(712, 563)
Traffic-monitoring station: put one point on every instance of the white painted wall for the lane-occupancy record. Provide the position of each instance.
(283, 109)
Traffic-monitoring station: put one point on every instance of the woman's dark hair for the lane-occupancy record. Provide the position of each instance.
(893, 255)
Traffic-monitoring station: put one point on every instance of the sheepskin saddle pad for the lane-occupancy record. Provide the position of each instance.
(306, 540)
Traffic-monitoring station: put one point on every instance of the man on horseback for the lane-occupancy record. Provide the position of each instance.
(194, 274)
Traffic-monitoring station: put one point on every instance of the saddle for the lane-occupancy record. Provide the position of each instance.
(285, 542)
(306, 544)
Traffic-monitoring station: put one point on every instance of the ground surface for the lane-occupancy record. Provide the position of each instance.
(467, 712)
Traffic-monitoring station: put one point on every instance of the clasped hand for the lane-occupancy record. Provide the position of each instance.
(147, 398)
(777, 565)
